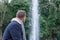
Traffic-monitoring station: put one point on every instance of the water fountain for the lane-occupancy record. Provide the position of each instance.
(34, 35)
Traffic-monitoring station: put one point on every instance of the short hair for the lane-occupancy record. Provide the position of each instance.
(20, 13)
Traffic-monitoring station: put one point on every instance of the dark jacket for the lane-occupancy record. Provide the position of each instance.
(13, 32)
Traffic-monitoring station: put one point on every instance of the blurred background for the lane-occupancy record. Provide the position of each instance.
(49, 18)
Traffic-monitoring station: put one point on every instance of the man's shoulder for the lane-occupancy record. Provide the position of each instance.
(13, 24)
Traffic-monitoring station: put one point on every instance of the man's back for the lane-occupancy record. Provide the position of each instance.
(13, 32)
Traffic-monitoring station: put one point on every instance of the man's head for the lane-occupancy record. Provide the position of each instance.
(21, 14)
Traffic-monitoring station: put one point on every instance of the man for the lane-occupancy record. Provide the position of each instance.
(15, 30)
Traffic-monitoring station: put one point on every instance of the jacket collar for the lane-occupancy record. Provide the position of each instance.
(17, 20)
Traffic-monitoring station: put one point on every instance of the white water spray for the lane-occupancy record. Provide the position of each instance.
(9, 1)
(35, 21)
(49, 0)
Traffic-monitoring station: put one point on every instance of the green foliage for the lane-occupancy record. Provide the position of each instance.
(49, 16)
(49, 19)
